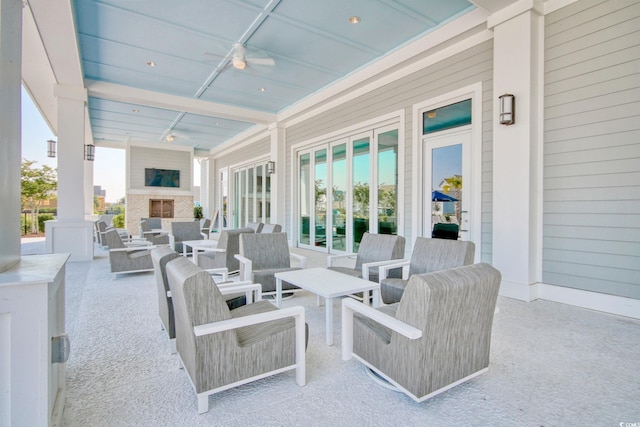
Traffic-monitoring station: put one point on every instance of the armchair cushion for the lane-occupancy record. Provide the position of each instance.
(428, 255)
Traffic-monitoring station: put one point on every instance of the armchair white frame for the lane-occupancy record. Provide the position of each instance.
(296, 312)
(367, 266)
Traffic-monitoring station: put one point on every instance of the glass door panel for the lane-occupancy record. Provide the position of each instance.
(251, 214)
(267, 197)
(361, 168)
(242, 214)
(320, 197)
(305, 193)
(446, 182)
(259, 195)
(388, 182)
(224, 192)
(237, 199)
(339, 193)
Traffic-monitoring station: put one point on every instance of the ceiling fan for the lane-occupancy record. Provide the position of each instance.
(171, 136)
(241, 58)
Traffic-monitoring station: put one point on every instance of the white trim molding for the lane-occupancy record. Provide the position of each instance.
(612, 304)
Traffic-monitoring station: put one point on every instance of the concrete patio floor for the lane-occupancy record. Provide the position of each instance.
(551, 365)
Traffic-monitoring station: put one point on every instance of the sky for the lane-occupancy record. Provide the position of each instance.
(108, 167)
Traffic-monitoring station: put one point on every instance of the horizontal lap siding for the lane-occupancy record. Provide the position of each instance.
(144, 157)
(463, 69)
(591, 233)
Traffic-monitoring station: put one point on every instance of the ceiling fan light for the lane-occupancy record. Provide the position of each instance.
(239, 64)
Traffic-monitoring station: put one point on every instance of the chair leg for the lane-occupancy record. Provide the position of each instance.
(203, 403)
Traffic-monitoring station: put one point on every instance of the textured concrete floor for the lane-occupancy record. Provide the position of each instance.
(551, 365)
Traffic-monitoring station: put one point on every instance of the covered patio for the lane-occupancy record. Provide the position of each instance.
(551, 190)
(551, 364)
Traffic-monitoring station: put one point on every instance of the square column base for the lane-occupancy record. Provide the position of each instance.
(72, 237)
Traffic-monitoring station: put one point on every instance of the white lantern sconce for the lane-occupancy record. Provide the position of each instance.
(89, 152)
(271, 167)
(507, 109)
(51, 148)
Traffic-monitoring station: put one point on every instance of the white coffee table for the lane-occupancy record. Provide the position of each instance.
(328, 284)
(197, 246)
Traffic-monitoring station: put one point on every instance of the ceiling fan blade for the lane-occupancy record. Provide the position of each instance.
(269, 62)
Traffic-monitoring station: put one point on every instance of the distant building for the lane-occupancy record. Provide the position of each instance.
(99, 196)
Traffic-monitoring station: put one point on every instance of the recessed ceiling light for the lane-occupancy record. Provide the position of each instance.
(354, 19)
(262, 89)
(135, 110)
(151, 63)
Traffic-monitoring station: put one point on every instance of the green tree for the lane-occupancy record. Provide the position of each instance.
(454, 184)
(37, 185)
(361, 200)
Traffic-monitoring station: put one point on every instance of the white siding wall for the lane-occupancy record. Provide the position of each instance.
(591, 237)
(468, 67)
(144, 157)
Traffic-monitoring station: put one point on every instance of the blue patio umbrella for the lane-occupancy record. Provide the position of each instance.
(438, 196)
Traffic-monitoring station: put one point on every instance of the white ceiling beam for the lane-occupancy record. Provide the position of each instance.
(492, 6)
(119, 93)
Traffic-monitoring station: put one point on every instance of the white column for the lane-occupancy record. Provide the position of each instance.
(10, 137)
(88, 190)
(70, 233)
(278, 179)
(71, 105)
(517, 155)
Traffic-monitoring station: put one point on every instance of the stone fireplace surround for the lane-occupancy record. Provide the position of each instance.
(137, 207)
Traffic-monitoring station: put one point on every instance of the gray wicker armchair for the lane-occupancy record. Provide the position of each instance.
(127, 259)
(223, 255)
(428, 255)
(262, 256)
(221, 348)
(155, 237)
(436, 337)
(271, 228)
(374, 250)
(182, 231)
(160, 256)
(102, 229)
(257, 226)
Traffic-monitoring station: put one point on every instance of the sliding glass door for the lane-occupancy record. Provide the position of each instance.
(346, 188)
(251, 195)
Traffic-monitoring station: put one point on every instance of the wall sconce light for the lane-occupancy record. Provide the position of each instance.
(89, 152)
(51, 148)
(507, 109)
(271, 167)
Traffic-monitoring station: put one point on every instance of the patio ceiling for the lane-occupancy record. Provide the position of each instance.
(161, 71)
